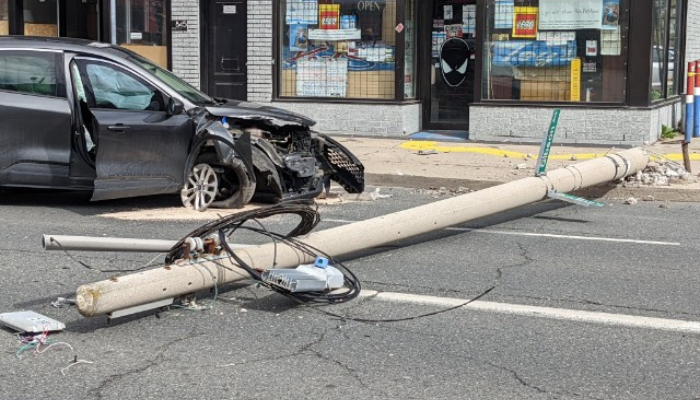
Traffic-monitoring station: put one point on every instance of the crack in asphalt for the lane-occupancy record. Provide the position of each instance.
(97, 392)
(524, 254)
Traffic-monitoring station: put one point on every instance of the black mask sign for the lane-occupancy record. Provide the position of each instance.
(454, 59)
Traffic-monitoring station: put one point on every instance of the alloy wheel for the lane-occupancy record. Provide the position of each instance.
(201, 188)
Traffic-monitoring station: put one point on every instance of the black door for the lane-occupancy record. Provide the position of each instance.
(140, 150)
(450, 59)
(225, 48)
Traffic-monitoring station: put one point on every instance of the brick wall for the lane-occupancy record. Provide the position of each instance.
(185, 45)
(360, 119)
(260, 58)
(692, 46)
(590, 126)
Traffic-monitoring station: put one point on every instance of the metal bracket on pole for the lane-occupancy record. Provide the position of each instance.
(543, 158)
(140, 308)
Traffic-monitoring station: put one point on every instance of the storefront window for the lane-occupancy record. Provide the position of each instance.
(339, 49)
(4, 19)
(674, 42)
(665, 45)
(41, 18)
(658, 52)
(556, 51)
(141, 27)
(410, 46)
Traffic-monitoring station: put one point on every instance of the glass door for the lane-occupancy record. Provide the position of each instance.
(451, 66)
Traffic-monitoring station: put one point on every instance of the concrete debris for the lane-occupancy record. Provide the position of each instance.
(573, 158)
(521, 166)
(663, 173)
(426, 152)
(370, 196)
(62, 302)
(529, 156)
(631, 201)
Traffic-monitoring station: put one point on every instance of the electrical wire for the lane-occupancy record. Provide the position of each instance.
(226, 227)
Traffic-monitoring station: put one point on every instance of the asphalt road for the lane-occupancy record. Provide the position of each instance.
(586, 304)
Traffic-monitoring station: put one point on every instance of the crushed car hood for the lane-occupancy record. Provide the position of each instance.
(246, 110)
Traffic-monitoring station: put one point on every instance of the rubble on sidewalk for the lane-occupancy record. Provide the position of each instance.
(660, 173)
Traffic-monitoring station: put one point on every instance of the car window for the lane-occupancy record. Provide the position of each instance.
(30, 72)
(115, 88)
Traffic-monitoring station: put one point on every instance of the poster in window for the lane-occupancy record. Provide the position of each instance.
(453, 31)
(469, 20)
(611, 14)
(329, 15)
(302, 12)
(448, 12)
(525, 22)
(299, 37)
(504, 14)
(558, 15)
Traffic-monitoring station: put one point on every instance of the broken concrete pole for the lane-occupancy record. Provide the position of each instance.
(179, 279)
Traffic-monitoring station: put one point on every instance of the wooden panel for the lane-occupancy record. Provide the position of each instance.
(157, 54)
(40, 30)
(4, 28)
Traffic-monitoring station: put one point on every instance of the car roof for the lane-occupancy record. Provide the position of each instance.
(65, 44)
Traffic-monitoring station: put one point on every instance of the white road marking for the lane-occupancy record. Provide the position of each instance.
(601, 318)
(547, 235)
(570, 237)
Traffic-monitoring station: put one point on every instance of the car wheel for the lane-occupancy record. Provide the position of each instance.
(201, 188)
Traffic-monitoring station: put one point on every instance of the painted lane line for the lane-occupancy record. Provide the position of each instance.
(547, 235)
(561, 314)
(570, 237)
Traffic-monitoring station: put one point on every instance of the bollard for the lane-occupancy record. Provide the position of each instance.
(689, 123)
(696, 99)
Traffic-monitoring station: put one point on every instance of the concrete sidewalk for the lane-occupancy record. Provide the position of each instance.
(475, 166)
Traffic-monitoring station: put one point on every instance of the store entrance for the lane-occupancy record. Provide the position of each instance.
(225, 49)
(450, 80)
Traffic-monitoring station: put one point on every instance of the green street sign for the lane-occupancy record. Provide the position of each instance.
(543, 158)
(574, 199)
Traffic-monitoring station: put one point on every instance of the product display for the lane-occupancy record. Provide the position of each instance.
(554, 50)
(347, 50)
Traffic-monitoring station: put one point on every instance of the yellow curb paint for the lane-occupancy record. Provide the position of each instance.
(443, 148)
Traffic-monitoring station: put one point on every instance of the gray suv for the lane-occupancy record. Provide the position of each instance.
(91, 116)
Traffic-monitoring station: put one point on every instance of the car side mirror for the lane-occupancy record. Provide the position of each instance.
(175, 107)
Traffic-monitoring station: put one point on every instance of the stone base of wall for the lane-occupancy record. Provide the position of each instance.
(383, 120)
(584, 125)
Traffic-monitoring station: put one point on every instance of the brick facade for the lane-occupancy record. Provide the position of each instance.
(521, 123)
(185, 45)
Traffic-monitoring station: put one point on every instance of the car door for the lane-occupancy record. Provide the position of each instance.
(35, 119)
(140, 149)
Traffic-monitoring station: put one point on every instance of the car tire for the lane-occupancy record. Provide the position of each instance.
(235, 186)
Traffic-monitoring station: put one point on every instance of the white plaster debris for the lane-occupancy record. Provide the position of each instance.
(631, 201)
(663, 173)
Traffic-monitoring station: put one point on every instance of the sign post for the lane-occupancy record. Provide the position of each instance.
(543, 158)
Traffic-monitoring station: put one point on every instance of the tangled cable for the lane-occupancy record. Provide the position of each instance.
(226, 227)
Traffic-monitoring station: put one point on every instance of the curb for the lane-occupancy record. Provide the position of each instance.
(605, 191)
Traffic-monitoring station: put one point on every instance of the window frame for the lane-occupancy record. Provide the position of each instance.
(58, 70)
(400, 60)
(669, 47)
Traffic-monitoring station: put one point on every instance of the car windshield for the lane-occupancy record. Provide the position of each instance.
(183, 88)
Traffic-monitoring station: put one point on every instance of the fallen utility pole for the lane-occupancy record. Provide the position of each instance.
(180, 279)
(90, 243)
